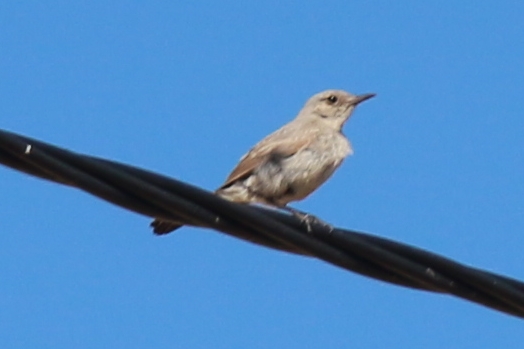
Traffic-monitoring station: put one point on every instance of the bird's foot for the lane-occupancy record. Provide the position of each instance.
(308, 219)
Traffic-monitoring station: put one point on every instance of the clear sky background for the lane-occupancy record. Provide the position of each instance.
(184, 88)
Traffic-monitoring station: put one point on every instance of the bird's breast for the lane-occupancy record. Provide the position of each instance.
(309, 168)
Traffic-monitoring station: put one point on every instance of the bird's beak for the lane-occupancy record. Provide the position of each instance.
(361, 98)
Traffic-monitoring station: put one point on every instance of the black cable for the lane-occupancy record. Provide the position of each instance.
(155, 195)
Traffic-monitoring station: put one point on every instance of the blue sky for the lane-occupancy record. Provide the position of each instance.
(185, 88)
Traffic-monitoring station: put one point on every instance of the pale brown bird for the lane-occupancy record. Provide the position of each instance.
(293, 161)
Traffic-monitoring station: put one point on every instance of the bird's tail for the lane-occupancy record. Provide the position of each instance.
(161, 227)
(236, 193)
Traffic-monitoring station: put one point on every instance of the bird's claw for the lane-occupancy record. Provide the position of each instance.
(309, 220)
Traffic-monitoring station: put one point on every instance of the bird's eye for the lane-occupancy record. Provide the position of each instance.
(332, 99)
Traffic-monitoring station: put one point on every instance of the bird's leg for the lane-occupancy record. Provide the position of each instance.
(306, 218)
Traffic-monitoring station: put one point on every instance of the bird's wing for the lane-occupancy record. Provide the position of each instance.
(262, 152)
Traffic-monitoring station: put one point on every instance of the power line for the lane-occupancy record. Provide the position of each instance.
(155, 195)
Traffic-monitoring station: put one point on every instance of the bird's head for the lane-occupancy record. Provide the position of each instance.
(332, 107)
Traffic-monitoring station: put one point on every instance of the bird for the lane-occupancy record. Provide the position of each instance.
(292, 162)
